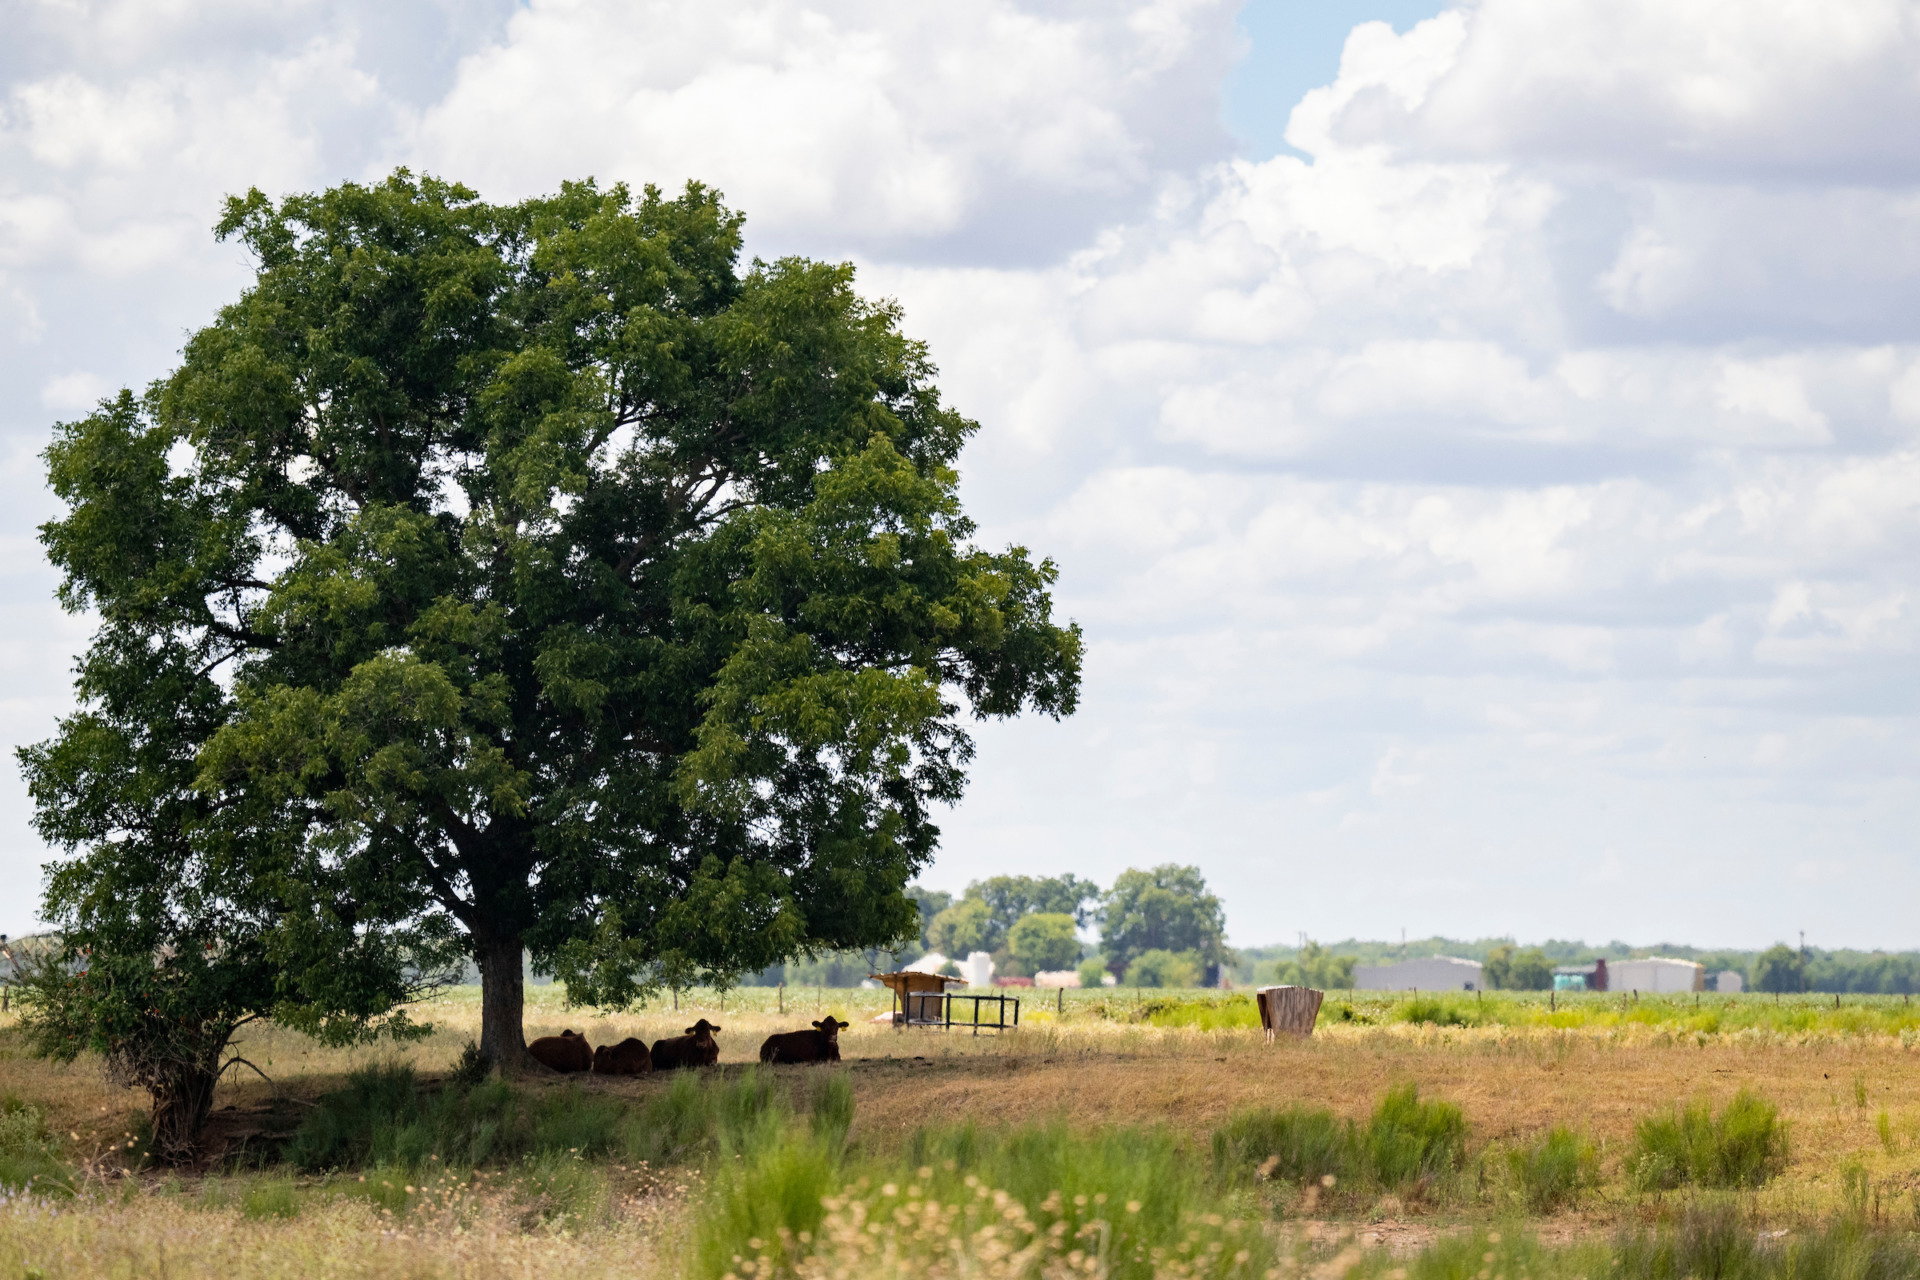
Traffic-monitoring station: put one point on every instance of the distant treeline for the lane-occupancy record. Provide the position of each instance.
(1777, 968)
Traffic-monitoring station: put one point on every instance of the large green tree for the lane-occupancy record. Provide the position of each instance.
(568, 585)
(1166, 909)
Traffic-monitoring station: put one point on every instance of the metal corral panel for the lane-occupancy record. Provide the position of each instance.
(1656, 975)
(1433, 973)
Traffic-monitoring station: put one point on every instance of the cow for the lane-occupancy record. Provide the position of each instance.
(822, 1044)
(694, 1049)
(567, 1051)
(628, 1058)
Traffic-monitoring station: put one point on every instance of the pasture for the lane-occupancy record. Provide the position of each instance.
(1549, 1140)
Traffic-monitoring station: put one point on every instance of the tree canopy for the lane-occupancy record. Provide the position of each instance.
(1778, 969)
(555, 583)
(1044, 940)
(983, 916)
(180, 919)
(1165, 909)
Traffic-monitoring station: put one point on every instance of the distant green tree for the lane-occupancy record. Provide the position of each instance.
(1159, 967)
(962, 928)
(1497, 968)
(1778, 969)
(1530, 970)
(1044, 940)
(1165, 909)
(1007, 898)
(1316, 967)
(1093, 971)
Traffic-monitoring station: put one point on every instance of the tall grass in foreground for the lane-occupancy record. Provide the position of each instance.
(27, 1161)
(1039, 1199)
(385, 1117)
(1743, 1146)
(1406, 1143)
(1713, 1244)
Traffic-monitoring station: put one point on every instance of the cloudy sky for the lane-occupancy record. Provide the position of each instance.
(1482, 443)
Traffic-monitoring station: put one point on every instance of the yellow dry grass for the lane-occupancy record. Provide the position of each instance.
(1513, 1084)
(154, 1233)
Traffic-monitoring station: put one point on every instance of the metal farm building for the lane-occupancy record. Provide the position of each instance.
(1431, 973)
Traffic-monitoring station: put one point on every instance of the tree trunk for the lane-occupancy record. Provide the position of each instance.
(502, 1003)
(182, 1099)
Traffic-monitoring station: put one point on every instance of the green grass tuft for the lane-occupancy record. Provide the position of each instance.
(270, 1198)
(1297, 1144)
(1743, 1146)
(27, 1160)
(1407, 1140)
(1549, 1173)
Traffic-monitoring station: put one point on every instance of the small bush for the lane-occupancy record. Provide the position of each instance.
(1434, 1012)
(1406, 1140)
(1743, 1146)
(1298, 1144)
(1552, 1171)
(1162, 968)
(471, 1068)
(273, 1198)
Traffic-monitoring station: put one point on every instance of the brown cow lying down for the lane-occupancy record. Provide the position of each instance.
(822, 1044)
(564, 1052)
(628, 1058)
(694, 1049)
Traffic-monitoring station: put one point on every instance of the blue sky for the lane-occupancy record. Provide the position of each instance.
(1293, 46)
(1481, 445)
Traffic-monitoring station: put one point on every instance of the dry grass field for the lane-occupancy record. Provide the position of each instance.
(1850, 1100)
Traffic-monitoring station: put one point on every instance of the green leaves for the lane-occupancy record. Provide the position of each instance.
(548, 576)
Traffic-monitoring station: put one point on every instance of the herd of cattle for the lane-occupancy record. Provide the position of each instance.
(569, 1051)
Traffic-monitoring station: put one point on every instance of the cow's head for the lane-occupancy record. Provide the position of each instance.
(702, 1028)
(575, 1034)
(830, 1027)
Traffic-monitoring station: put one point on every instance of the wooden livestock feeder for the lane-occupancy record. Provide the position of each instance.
(923, 1000)
(1288, 1010)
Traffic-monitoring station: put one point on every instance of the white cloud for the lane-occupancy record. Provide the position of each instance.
(857, 123)
(73, 392)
